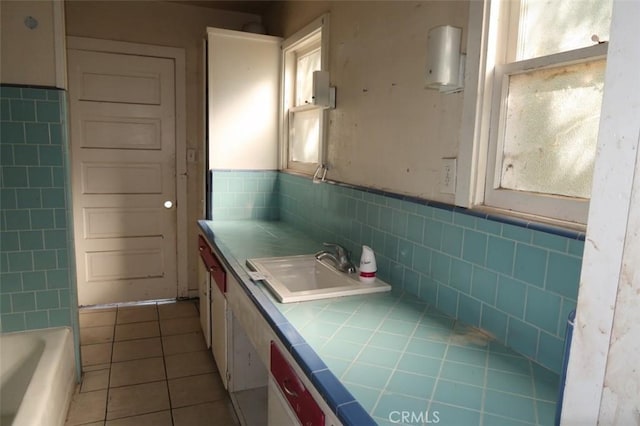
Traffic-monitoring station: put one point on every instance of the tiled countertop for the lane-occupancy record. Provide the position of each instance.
(402, 360)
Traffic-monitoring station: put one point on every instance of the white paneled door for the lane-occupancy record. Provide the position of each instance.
(123, 133)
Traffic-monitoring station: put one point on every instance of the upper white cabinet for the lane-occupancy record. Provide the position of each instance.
(32, 42)
(243, 88)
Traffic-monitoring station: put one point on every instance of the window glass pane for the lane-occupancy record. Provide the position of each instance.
(306, 64)
(551, 129)
(552, 26)
(304, 136)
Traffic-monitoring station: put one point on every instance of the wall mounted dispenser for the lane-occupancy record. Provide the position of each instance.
(322, 94)
(445, 63)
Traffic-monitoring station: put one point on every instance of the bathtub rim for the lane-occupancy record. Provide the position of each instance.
(49, 393)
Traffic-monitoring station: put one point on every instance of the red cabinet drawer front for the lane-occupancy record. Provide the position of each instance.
(299, 398)
(213, 265)
(202, 242)
(205, 253)
(220, 278)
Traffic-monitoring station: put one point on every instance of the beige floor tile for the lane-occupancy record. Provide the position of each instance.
(136, 372)
(92, 335)
(95, 354)
(89, 309)
(137, 330)
(87, 407)
(161, 418)
(127, 350)
(95, 367)
(97, 318)
(137, 399)
(202, 414)
(179, 325)
(195, 390)
(131, 314)
(181, 343)
(95, 380)
(189, 364)
(177, 310)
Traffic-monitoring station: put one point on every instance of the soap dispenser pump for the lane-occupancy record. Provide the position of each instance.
(368, 266)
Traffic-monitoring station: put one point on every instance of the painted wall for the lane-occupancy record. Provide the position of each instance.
(32, 52)
(387, 132)
(37, 285)
(164, 24)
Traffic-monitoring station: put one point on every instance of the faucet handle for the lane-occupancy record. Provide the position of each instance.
(341, 258)
(341, 252)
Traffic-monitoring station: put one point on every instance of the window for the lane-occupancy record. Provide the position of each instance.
(544, 71)
(302, 132)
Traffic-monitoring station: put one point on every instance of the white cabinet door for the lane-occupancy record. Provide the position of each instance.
(205, 306)
(244, 87)
(219, 323)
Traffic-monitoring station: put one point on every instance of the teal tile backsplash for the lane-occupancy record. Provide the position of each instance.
(519, 284)
(36, 285)
(243, 195)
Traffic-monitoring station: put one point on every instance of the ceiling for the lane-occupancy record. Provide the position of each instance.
(257, 7)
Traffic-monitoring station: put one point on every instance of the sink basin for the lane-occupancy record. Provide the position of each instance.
(300, 278)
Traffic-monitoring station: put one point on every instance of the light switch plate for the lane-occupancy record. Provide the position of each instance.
(448, 176)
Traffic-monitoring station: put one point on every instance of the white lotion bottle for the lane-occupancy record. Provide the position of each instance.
(368, 266)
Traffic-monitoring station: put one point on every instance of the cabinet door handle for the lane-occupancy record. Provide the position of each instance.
(288, 391)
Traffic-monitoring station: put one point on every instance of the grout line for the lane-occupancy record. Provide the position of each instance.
(394, 369)
(113, 339)
(485, 383)
(164, 363)
(536, 415)
(444, 357)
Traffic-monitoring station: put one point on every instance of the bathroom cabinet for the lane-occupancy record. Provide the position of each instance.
(214, 314)
(261, 375)
(204, 287)
(36, 27)
(289, 400)
(243, 83)
(241, 369)
(219, 325)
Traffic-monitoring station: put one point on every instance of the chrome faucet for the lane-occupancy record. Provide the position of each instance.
(340, 258)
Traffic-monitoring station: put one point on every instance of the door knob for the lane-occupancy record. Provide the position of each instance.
(168, 204)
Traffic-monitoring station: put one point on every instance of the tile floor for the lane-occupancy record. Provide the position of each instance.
(147, 365)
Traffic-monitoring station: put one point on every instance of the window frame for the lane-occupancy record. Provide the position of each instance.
(548, 205)
(302, 42)
(484, 109)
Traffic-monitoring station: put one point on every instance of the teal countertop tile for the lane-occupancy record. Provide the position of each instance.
(390, 350)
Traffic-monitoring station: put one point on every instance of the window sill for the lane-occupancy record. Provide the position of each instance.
(531, 221)
(302, 169)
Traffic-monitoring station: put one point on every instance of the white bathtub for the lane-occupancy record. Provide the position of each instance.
(37, 377)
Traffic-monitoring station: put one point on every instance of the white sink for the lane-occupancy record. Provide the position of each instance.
(301, 278)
